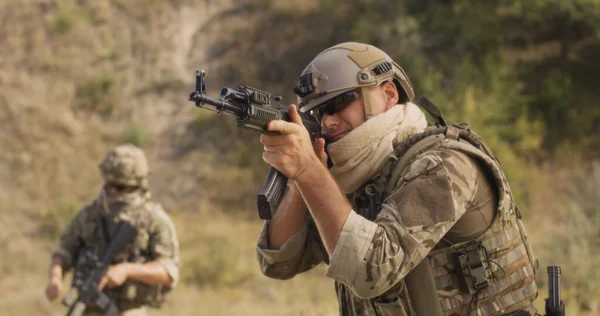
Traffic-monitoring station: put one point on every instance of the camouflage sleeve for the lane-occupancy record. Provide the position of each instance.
(70, 241)
(298, 254)
(164, 245)
(433, 193)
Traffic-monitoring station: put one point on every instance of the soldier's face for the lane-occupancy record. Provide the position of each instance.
(118, 189)
(336, 125)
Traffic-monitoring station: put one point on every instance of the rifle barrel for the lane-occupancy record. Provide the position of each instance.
(217, 105)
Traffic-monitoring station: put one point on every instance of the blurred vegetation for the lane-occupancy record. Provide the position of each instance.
(581, 234)
(218, 265)
(95, 96)
(136, 134)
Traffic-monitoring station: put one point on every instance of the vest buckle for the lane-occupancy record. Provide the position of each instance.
(475, 268)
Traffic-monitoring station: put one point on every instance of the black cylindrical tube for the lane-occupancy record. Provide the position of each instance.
(218, 105)
(554, 286)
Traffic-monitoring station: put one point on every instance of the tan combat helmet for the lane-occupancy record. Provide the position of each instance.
(345, 67)
(126, 165)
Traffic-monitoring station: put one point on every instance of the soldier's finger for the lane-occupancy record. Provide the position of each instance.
(111, 283)
(284, 127)
(266, 156)
(272, 126)
(274, 140)
(274, 159)
(294, 116)
(319, 147)
(273, 149)
(102, 283)
(51, 292)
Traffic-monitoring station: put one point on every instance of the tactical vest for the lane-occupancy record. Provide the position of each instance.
(133, 292)
(489, 275)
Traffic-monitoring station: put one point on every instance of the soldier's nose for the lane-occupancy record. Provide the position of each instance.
(329, 121)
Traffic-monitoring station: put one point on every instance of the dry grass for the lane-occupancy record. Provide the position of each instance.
(219, 276)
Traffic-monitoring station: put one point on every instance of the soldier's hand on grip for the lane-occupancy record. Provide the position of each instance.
(292, 151)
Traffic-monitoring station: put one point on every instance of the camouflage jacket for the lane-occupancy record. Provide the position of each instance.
(446, 197)
(156, 240)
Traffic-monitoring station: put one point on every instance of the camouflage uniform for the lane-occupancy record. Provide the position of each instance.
(448, 205)
(156, 237)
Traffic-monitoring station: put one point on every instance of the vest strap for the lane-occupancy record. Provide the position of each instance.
(421, 286)
(440, 258)
(523, 273)
(502, 303)
(507, 301)
(432, 109)
(452, 132)
(508, 258)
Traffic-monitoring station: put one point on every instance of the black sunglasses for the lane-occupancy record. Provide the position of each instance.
(337, 104)
(119, 187)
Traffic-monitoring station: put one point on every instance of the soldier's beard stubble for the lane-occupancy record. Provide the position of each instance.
(333, 134)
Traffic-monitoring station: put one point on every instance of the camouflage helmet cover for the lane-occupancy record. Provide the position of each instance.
(345, 67)
(127, 165)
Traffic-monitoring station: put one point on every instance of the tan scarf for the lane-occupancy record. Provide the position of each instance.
(357, 157)
(114, 205)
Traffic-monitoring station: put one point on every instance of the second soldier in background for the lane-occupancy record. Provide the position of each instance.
(149, 268)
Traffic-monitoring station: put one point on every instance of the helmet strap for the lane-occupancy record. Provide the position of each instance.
(367, 102)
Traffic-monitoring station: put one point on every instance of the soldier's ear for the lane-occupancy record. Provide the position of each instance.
(390, 94)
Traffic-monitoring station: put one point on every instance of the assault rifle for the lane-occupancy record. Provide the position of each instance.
(554, 305)
(254, 109)
(90, 272)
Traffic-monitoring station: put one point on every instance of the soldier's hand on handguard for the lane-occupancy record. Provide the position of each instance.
(115, 276)
(53, 289)
(292, 152)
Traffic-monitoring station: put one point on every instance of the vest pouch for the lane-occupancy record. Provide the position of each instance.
(390, 308)
(143, 294)
(475, 268)
(393, 302)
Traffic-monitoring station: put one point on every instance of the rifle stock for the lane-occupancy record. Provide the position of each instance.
(254, 109)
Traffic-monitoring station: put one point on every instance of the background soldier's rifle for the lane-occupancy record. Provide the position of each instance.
(88, 275)
(254, 109)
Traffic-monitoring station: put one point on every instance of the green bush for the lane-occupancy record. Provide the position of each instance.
(58, 217)
(136, 134)
(96, 96)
